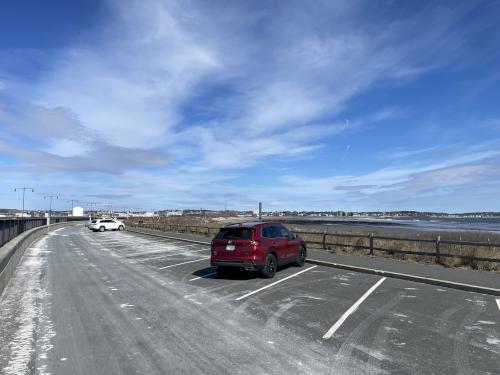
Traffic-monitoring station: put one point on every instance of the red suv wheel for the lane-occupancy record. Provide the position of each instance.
(270, 266)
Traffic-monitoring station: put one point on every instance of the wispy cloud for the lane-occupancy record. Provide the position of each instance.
(401, 154)
(467, 167)
(102, 158)
(129, 85)
(58, 141)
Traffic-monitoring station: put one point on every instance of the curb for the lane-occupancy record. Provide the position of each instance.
(371, 271)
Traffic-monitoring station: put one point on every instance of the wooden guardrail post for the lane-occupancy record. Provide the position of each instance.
(438, 249)
(324, 241)
(370, 237)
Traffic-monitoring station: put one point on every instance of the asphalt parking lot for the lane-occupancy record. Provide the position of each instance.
(413, 324)
(312, 319)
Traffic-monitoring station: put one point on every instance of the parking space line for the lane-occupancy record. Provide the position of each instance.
(498, 303)
(170, 255)
(201, 277)
(190, 251)
(353, 308)
(277, 282)
(178, 264)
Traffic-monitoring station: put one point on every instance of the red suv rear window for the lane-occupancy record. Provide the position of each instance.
(234, 234)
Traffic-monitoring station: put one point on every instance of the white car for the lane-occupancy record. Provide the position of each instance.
(106, 224)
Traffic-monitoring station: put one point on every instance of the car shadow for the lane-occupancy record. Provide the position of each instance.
(203, 271)
(228, 274)
(233, 273)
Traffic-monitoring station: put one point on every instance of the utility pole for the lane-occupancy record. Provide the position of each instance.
(50, 196)
(91, 204)
(260, 211)
(73, 201)
(110, 208)
(24, 192)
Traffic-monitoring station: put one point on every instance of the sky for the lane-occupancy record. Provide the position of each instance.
(301, 105)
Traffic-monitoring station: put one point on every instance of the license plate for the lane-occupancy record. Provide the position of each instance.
(230, 247)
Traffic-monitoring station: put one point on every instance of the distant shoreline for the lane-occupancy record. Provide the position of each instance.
(314, 220)
(395, 226)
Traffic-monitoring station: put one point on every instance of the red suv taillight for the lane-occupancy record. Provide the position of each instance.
(255, 243)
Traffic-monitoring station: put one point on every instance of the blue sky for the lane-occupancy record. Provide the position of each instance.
(306, 105)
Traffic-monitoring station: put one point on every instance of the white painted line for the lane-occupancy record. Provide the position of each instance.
(201, 277)
(498, 303)
(178, 264)
(169, 255)
(353, 308)
(277, 282)
(186, 252)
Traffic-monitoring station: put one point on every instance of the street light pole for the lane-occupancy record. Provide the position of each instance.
(50, 196)
(24, 192)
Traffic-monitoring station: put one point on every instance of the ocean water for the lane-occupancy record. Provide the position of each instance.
(478, 224)
(414, 222)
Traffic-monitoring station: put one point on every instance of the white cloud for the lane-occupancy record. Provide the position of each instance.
(67, 148)
(58, 141)
(128, 87)
(468, 167)
(133, 81)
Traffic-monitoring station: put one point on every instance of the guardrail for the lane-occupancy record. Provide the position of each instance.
(369, 242)
(11, 227)
(435, 248)
(177, 228)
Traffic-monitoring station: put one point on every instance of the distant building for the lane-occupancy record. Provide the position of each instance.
(21, 214)
(77, 211)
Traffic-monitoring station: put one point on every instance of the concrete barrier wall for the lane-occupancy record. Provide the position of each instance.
(12, 251)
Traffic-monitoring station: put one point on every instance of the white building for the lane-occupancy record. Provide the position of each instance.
(77, 211)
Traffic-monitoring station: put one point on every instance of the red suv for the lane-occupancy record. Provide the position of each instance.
(256, 246)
